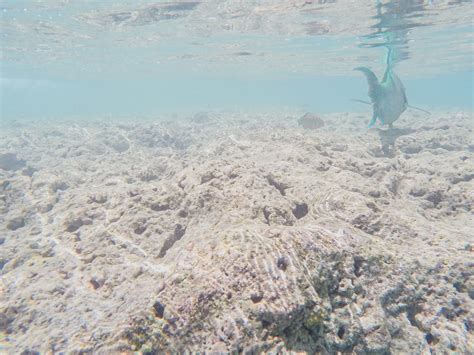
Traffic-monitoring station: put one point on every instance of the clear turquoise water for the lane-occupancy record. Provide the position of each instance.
(62, 58)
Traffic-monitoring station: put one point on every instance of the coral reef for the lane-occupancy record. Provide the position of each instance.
(224, 233)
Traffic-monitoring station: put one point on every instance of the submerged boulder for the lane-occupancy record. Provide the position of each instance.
(9, 161)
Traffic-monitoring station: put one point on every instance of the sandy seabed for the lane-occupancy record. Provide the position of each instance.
(238, 232)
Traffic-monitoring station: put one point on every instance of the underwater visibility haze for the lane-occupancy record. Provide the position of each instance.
(236, 176)
(99, 57)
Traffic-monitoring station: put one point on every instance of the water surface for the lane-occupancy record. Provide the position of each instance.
(149, 57)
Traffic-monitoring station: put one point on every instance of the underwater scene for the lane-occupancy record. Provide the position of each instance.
(236, 177)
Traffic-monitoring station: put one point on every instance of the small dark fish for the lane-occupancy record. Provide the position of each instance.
(311, 121)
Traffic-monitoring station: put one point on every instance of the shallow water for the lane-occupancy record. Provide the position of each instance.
(196, 176)
(99, 57)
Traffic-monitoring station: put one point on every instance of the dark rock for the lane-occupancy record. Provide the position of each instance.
(98, 198)
(411, 149)
(157, 206)
(464, 178)
(429, 338)
(169, 242)
(9, 161)
(256, 297)
(393, 184)
(365, 223)
(72, 224)
(139, 226)
(434, 197)
(5, 185)
(374, 193)
(280, 186)
(207, 177)
(341, 331)
(16, 223)
(373, 206)
(277, 216)
(30, 352)
(417, 191)
(300, 210)
(147, 175)
(96, 282)
(159, 309)
(282, 263)
(29, 171)
(447, 312)
(59, 186)
(455, 302)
